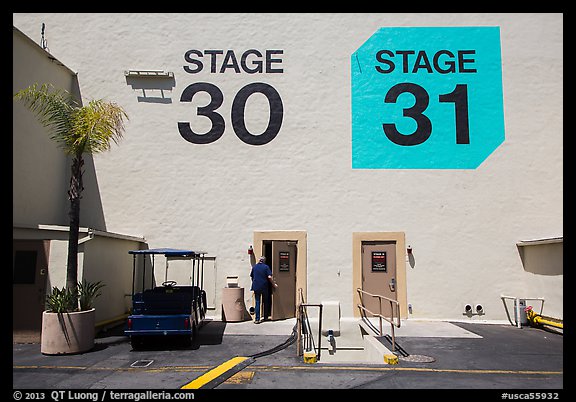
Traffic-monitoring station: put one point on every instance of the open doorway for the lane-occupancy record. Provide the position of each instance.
(285, 253)
(281, 256)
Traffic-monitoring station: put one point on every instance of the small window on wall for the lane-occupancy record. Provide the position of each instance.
(24, 269)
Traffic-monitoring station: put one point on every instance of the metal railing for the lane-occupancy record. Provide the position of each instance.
(517, 311)
(394, 312)
(305, 340)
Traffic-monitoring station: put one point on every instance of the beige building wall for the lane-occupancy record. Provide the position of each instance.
(39, 168)
(40, 183)
(102, 256)
(463, 225)
(106, 259)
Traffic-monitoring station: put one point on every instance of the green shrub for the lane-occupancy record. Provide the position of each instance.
(66, 301)
(61, 301)
(87, 293)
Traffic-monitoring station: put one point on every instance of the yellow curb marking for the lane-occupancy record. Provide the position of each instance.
(242, 377)
(214, 373)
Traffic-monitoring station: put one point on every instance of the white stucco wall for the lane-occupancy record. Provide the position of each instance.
(39, 167)
(463, 225)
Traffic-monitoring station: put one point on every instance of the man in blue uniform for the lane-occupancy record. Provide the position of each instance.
(261, 275)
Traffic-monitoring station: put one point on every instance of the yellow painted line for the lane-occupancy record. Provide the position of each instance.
(51, 367)
(214, 373)
(314, 367)
(422, 369)
(242, 377)
(119, 369)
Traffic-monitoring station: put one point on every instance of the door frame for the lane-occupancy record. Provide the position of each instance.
(400, 239)
(300, 237)
(40, 285)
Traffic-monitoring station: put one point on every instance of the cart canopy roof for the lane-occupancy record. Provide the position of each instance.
(169, 252)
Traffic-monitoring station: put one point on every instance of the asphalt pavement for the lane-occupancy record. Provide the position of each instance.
(504, 361)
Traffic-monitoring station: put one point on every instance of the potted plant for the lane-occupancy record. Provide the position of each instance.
(77, 129)
(68, 323)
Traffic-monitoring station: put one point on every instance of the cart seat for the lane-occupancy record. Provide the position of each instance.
(159, 301)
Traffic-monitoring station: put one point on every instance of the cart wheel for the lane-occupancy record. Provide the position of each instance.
(137, 342)
(194, 331)
(186, 341)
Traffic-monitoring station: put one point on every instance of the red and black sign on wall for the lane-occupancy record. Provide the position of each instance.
(379, 261)
(284, 258)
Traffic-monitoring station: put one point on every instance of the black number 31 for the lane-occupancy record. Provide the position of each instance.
(423, 124)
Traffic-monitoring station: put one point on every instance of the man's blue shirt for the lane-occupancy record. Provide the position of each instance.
(259, 275)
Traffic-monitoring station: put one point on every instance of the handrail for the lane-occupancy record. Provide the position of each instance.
(393, 303)
(299, 323)
(517, 303)
(304, 327)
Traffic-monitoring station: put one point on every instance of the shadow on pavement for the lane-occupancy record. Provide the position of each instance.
(210, 333)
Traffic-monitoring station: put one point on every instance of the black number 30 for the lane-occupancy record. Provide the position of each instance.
(237, 113)
(423, 124)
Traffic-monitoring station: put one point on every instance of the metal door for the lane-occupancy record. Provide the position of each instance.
(284, 273)
(29, 272)
(379, 275)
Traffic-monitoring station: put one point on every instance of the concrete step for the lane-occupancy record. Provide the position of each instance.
(355, 343)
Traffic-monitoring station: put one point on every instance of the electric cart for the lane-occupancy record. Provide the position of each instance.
(169, 310)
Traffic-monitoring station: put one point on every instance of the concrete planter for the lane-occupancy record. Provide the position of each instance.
(67, 333)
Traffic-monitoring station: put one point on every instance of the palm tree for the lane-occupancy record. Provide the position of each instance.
(77, 130)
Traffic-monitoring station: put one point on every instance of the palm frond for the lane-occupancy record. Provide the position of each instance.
(96, 125)
(76, 129)
(87, 293)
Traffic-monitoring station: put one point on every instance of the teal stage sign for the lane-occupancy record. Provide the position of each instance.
(427, 98)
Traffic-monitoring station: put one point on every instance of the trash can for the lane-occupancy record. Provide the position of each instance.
(233, 305)
(523, 316)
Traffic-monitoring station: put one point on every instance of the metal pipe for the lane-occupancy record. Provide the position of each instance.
(202, 276)
(545, 321)
(538, 319)
(380, 311)
(153, 257)
(193, 270)
(299, 346)
(393, 339)
(197, 272)
(517, 302)
(320, 333)
(133, 272)
(309, 329)
(518, 321)
(166, 270)
(392, 329)
(144, 271)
